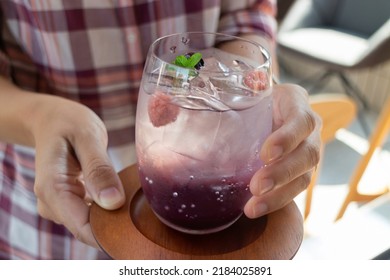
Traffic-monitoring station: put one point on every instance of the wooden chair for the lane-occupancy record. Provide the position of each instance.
(377, 138)
(336, 111)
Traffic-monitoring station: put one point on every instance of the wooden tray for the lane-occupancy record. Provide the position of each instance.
(134, 232)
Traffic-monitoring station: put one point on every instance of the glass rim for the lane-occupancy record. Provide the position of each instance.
(264, 51)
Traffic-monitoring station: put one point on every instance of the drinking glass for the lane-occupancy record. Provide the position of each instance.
(199, 128)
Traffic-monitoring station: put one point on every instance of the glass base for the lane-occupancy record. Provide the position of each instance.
(196, 231)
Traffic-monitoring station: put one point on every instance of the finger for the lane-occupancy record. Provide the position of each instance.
(74, 215)
(258, 206)
(67, 207)
(304, 158)
(53, 172)
(101, 180)
(76, 218)
(294, 121)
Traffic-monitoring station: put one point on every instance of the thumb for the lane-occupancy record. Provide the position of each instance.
(103, 183)
(101, 180)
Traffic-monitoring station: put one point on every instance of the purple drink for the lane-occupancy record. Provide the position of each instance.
(196, 206)
(199, 134)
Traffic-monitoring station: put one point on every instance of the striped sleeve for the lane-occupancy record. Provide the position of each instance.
(243, 17)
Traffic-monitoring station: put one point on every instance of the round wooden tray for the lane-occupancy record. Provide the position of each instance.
(134, 232)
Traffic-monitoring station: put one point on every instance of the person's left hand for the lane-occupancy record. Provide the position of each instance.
(290, 153)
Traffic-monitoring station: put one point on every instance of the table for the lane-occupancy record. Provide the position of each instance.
(134, 232)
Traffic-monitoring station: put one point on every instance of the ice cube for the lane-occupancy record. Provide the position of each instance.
(199, 96)
(240, 65)
(233, 95)
(213, 65)
(204, 137)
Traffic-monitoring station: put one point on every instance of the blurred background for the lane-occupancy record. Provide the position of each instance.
(339, 50)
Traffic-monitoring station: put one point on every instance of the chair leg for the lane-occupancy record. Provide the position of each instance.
(320, 79)
(336, 112)
(377, 138)
(353, 91)
(354, 196)
(350, 89)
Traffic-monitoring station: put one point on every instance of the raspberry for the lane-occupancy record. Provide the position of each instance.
(256, 80)
(160, 109)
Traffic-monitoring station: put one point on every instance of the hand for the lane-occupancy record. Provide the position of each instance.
(72, 166)
(290, 153)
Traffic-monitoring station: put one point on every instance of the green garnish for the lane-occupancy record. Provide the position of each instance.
(187, 61)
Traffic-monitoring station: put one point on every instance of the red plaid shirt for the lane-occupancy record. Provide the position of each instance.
(91, 52)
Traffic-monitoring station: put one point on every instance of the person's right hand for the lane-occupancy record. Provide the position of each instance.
(72, 166)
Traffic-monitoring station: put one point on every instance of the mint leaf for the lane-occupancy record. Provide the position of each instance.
(181, 60)
(193, 60)
(187, 61)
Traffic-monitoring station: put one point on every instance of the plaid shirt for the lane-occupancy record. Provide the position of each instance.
(91, 52)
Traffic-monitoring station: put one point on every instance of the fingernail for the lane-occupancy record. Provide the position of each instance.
(260, 209)
(274, 153)
(110, 197)
(266, 185)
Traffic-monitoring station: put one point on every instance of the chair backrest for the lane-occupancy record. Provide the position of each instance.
(379, 47)
(368, 19)
(335, 110)
(361, 16)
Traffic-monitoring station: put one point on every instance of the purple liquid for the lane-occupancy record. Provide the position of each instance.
(196, 207)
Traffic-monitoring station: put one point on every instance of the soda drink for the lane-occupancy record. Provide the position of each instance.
(199, 133)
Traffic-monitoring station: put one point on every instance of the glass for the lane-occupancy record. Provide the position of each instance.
(199, 130)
